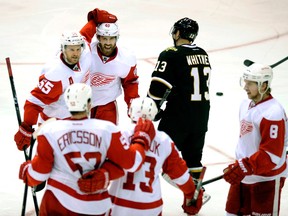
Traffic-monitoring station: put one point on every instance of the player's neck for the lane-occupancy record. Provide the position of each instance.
(181, 42)
(80, 115)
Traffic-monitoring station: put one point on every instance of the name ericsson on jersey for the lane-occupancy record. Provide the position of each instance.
(78, 137)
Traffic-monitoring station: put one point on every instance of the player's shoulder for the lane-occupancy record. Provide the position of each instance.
(171, 49)
(126, 55)
(55, 70)
(49, 126)
(164, 140)
(272, 109)
(99, 124)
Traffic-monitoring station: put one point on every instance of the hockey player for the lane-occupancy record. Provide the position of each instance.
(72, 147)
(258, 175)
(139, 193)
(70, 66)
(113, 69)
(185, 70)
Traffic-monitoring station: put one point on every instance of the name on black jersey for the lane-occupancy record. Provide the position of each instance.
(197, 59)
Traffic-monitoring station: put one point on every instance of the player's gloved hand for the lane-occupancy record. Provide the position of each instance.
(101, 16)
(23, 170)
(192, 208)
(23, 136)
(94, 181)
(144, 133)
(235, 172)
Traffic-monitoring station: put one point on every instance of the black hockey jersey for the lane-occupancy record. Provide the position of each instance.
(186, 71)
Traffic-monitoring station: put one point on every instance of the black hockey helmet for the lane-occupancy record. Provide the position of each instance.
(188, 28)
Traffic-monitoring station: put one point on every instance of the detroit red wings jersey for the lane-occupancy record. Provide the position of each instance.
(139, 193)
(48, 96)
(263, 130)
(68, 148)
(109, 75)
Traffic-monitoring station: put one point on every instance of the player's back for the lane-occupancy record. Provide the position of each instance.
(188, 71)
(139, 193)
(77, 146)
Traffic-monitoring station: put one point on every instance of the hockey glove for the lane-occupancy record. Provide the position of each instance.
(23, 171)
(192, 208)
(23, 136)
(94, 181)
(101, 16)
(235, 172)
(144, 133)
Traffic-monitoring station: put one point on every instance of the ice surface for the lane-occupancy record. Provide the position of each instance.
(230, 31)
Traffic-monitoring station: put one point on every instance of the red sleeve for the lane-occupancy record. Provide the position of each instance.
(43, 160)
(47, 92)
(273, 136)
(188, 188)
(113, 169)
(130, 85)
(174, 165)
(124, 157)
(31, 112)
(89, 30)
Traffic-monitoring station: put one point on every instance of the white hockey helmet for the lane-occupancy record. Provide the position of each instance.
(258, 73)
(72, 38)
(142, 108)
(77, 96)
(108, 29)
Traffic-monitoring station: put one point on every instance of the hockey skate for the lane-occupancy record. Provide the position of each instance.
(206, 198)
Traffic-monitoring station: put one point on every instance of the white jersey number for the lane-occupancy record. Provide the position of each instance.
(45, 86)
(195, 73)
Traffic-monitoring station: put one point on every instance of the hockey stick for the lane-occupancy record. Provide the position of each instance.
(248, 62)
(165, 96)
(212, 180)
(199, 186)
(160, 111)
(32, 141)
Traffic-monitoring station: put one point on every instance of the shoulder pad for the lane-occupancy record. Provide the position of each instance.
(171, 48)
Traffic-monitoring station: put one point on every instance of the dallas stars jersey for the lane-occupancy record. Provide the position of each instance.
(186, 71)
